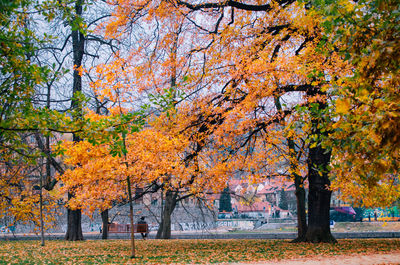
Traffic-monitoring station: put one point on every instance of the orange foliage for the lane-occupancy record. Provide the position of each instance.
(232, 65)
(97, 178)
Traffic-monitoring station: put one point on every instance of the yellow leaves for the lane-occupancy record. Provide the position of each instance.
(364, 182)
(98, 178)
(18, 201)
(375, 137)
(379, 103)
(348, 6)
(343, 106)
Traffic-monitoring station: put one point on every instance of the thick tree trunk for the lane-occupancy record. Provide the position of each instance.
(104, 219)
(319, 196)
(74, 229)
(164, 230)
(318, 215)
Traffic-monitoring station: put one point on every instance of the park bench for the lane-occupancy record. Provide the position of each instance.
(126, 228)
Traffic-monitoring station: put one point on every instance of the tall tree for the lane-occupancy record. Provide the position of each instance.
(225, 204)
(366, 144)
(246, 57)
(156, 64)
(74, 227)
(302, 32)
(20, 118)
(283, 203)
(79, 19)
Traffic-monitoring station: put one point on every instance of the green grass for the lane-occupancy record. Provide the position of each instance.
(339, 227)
(180, 251)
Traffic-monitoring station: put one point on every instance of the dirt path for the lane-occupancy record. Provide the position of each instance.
(356, 259)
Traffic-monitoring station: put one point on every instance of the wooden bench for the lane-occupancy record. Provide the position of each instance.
(126, 228)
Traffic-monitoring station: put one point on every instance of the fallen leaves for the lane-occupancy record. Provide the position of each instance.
(181, 251)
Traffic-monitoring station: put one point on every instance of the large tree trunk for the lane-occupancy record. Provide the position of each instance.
(74, 219)
(318, 215)
(74, 229)
(319, 196)
(104, 219)
(164, 230)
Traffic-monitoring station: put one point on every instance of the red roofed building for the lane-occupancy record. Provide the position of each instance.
(260, 209)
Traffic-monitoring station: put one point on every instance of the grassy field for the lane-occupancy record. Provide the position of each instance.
(341, 227)
(366, 226)
(180, 251)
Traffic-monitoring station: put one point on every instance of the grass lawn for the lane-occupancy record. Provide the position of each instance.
(340, 227)
(180, 251)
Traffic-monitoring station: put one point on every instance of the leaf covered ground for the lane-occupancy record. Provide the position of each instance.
(181, 251)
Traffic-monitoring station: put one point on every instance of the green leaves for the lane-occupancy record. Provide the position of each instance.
(112, 130)
(364, 136)
(168, 98)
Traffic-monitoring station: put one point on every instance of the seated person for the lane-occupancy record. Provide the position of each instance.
(142, 229)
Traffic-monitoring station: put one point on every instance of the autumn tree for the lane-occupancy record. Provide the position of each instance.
(21, 119)
(156, 65)
(300, 32)
(34, 104)
(76, 47)
(259, 84)
(366, 149)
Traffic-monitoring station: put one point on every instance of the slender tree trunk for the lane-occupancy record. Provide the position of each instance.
(104, 219)
(48, 171)
(301, 210)
(133, 254)
(299, 185)
(300, 193)
(164, 230)
(41, 211)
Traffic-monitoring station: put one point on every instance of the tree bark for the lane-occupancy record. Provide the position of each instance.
(164, 230)
(301, 210)
(74, 229)
(128, 181)
(104, 219)
(319, 196)
(299, 185)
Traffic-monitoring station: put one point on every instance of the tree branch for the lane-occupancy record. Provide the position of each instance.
(236, 4)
